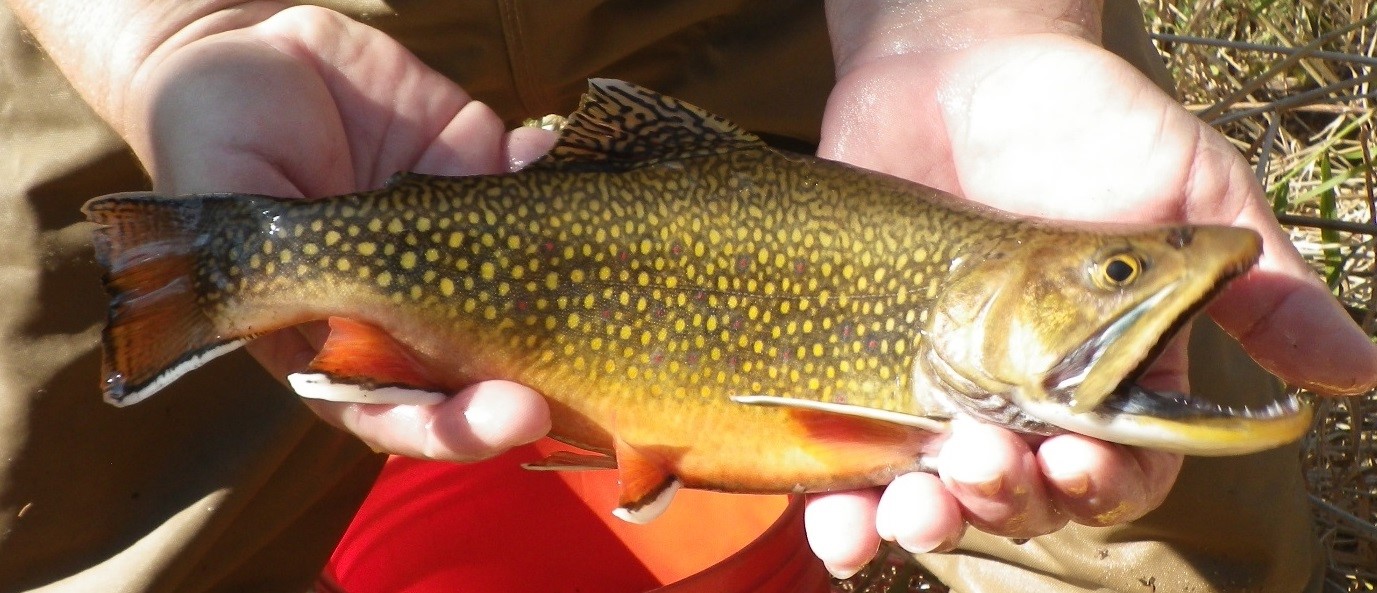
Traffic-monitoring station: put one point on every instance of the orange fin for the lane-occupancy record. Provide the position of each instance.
(570, 461)
(844, 431)
(363, 364)
(928, 423)
(647, 487)
(156, 330)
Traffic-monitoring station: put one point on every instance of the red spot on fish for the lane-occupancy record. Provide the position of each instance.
(698, 295)
(871, 345)
(606, 313)
(800, 267)
(622, 256)
(692, 358)
(657, 358)
(676, 249)
(660, 311)
(846, 330)
(548, 246)
(743, 262)
(733, 361)
(736, 324)
(522, 305)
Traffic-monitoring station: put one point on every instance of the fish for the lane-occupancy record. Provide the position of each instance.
(699, 309)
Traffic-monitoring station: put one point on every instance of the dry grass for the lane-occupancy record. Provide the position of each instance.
(1290, 82)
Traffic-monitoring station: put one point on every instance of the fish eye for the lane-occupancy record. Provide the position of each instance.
(1118, 270)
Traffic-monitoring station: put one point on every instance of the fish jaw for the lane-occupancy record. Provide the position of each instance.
(1181, 423)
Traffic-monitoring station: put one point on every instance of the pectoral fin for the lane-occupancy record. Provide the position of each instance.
(849, 410)
(647, 487)
(570, 461)
(360, 363)
(842, 433)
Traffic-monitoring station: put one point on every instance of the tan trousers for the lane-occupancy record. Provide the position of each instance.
(226, 483)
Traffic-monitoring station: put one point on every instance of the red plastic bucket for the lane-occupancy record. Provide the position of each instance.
(494, 527)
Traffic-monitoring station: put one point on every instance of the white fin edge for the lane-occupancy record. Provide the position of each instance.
(922, 422)
(319, 386)
(174, 373)
(651, 510)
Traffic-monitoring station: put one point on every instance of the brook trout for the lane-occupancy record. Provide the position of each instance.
(700, 310)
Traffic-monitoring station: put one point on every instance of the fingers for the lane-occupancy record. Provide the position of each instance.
(1281, 312)
(1098, 483)
(469, 144)
(525, 145)
(838, 529)
(995, 477)
(1288, 321)
(992, 480)
(917, 512)
(479, 422)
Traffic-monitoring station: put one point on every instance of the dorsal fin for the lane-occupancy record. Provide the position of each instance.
(620, 126)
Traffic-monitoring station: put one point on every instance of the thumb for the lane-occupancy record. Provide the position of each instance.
(1288, 321)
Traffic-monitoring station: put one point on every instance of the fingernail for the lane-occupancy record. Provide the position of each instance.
(919, 546)
(841, 573)
(967, 462)
(984, 487)
(1073, 484)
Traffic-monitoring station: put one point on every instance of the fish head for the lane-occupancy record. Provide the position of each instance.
(1047, 331)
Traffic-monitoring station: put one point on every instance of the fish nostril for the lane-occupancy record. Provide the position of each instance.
(1180, 237)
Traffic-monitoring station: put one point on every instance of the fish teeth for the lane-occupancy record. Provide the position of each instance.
(1287, 406)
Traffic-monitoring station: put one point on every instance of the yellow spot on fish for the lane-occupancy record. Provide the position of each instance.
(446, 286)
(408, 260)
(394, 226)
(366, 248)
(384, 279)
(487, 270)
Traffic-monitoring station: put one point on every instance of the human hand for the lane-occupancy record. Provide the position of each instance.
(305, 102)
(1015, 105)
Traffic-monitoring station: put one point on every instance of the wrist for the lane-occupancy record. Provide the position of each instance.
(864, 31)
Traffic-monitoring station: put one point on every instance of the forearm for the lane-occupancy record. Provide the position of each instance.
(106, 48)
(866, 30)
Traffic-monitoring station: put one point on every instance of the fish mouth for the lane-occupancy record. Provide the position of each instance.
(1135, 400)
(1166, 420)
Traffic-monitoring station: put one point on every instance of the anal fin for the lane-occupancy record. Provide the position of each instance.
(360, 363)
(647, 486)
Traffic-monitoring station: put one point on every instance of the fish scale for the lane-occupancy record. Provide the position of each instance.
(698, 308)
(625, 282)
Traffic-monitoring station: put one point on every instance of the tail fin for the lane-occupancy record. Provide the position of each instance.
(156, 330)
